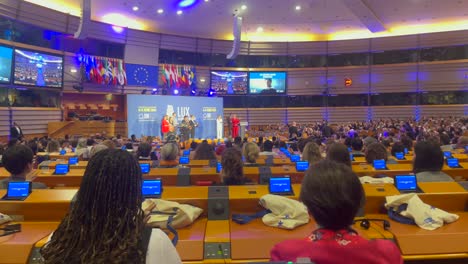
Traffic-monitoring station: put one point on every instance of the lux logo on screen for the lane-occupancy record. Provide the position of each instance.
(183, 111)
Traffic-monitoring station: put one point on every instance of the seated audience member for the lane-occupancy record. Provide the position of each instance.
(90, 143)
(268, 149)
(339, 153)
(109, 203)
(13, 142)
(462, 142)
(65, 145)
(204, 151)
(369, 140)
(232, 172)
(275, 142)
(311, 153)
(96, 149)
(18, 161)
(82, 149)
(445, 142)
(53, 146)
(260, 142)
(144, 151)
(238, 142)
(397, 147)
(129, 146)
(32, 144)
(193, 145)
(109, 143)
(169, 155)
(356, 146)
(407, 142)
(74, 144)
(333, 195)
(377, 151)
(428, 162)
(251, 154)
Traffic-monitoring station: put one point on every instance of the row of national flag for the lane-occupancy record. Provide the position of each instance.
(110, 71)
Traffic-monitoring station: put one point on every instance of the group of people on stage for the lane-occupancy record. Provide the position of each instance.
(169, 126)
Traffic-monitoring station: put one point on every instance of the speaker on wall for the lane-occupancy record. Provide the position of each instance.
(82, 31)
(237, 30)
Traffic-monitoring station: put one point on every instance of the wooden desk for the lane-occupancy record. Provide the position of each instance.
(441, 187)
(191, 240)
(56, 155)
(364, 169)
(15, 248)
(375, 197)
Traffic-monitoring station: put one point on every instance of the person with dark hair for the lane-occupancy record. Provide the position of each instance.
(333, 195)
(397, 148)
(407, 142)
(268, 149)
(445, 142)
(376, 151)
(428, 162)
(356, 145)
(74, 143)
(144, 151)
(233, 170)
(13, 142)
(238, 142)
(109, 203)
(32, 144)
(16, 132)
(260, 142)
(229, 144)
(18, 161)
(193, 145)
(90, 143)
(204, 151)
(293, 129)
(338, 152)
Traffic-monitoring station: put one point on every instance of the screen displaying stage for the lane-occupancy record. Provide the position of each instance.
(38, 69)
(6, 57)
(229, 82)
(145, 113)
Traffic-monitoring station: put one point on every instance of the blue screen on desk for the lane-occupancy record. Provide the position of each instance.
(18, 189)
(219, 167)
(400, 155)
(73, 161)
(61, 169)
(63, 152)
(295, 158)
(145, 168)
(184, 160)
(186, 152)
(350, 149)
(151, 187)
(447, 154)
(405, 182)
(406, 151)
(351, 156)
(280, 185)
(302, 165)
(379, 164)
(452, 162)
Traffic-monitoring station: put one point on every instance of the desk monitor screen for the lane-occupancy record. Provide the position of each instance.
(73, 161)
(184, 160)
(280, 185)
(63, 152)
(124, 147)
(295, 158)
(400, 155)
(152, 188)
(186, 152)
(350, 149)
(351, 156)
(145, 168)
(447, 154)
(219, 167)
(380, 165)
(406, 182)
(61, 169)
(406, 151)
(18, 190)
(302, 165)
(453, 163)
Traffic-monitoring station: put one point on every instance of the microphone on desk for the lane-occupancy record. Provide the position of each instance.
(365, 223)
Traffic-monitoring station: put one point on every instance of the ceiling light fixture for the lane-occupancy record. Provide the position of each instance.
(298, 7)
(160, 11)
(179, 12)
(243, 7)
(135, 8)
(259, 29)
(186, 3)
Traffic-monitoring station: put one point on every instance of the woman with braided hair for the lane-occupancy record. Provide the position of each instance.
(106, 223)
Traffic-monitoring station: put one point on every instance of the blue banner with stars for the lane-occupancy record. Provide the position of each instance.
(142, 75)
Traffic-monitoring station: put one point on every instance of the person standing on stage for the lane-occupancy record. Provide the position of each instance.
(235, 126)
(185, 129)
(165, 126)
(219, 127)
(174, 123)
(229, 123)
(194, 124)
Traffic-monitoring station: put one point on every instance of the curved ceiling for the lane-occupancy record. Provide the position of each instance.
(279, 20)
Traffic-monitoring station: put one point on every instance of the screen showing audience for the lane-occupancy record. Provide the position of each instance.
(145, 168)
(405, 182)
(229, 82)
(73, 161)
(452, 162)
(379, 165)
(295, 158)
(400, 155)
(152, 188)
(38, 69)
(6, 60)
(19, 189)
(219, 167)
(61, 169)
(280, 185)
(302, 165)
(267, 82)
(184, 160)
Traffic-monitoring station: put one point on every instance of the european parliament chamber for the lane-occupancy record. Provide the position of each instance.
(266, 131)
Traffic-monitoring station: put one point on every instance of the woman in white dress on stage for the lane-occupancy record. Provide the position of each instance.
(219, 127)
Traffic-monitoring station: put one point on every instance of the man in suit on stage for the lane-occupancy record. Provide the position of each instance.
(16, 132)
(194, 124)
(185, 129)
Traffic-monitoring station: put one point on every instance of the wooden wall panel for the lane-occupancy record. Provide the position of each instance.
(443, 110)
(348, 46)
(347, 114)
(440, 39)
(394, 43)
(35, 120)
(305, 115)
(384, 112)
(265, 116)
(310, 81)
(442, 76)
(4, 121)
(173, 42)
(394, 78)
(268, 48)
(307, 48)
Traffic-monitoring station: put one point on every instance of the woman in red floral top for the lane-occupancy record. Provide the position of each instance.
(333, 195)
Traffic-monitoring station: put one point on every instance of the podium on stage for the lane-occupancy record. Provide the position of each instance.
(243, 126)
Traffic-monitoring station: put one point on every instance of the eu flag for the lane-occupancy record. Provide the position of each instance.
(142, 75)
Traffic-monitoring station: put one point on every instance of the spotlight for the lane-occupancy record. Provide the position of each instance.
(176, 92)
(117, 29)
(298, 7)
(211, 92)
(193, 92)
(135, 8)
(243, 7)
(154, 91)
(144, 91)
(186, 3)
(160, 11)
(179, 12)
